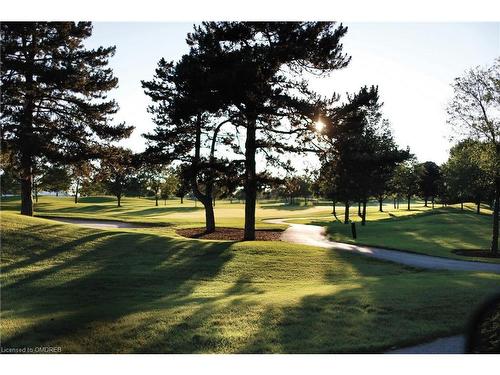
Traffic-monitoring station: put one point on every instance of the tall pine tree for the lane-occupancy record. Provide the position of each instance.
(257, 68)
(54, 102)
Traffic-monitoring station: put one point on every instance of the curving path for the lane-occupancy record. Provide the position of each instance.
(445, 345)
(314, 235)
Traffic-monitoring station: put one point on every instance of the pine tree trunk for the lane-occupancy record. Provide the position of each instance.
(119, 197)
(205, 199)
(359, 208)
(496, 213)
(462, 205)
(425, 205)
(250, 181)
(26, 192)
(363, 218)
(209, 216)
(182, 199)
(156, 200)
(346, 213)
(76, 190)
(432, 202)
(409, 198)
(334, 204)
(380, 203)
(26, 149)
(478, 207)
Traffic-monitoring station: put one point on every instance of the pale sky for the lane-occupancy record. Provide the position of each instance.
(413, 64)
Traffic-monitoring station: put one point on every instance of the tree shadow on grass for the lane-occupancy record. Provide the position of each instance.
(122, 274)
(374, 314)
(285, 207)
(165, 210)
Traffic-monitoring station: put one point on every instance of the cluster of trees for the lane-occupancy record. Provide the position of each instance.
(239, 90)
(360, 155)
(239, 93)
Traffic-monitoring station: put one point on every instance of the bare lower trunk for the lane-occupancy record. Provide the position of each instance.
(205, 199)
(250, 181)
(432, 202)
(119, 197)
(478, 207)
(409, 198)
(76, 190)
(363, 217)
(462, 206)
(209, 216)
(359, 208)
(380, 203)
(182, 200)
(156, 200)
(26, 193)
(346, 213)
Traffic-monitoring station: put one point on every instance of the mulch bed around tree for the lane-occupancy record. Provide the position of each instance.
(231, 234)
(475, 253)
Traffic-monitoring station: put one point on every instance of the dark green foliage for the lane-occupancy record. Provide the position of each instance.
(116, 171)
(54, 102)
(55, 179)
(255, 69)
(362, 154)
(430, 176)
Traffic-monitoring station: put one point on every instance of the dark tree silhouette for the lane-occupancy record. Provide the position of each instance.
(116, 170)
(80, 172)
(256, 70)
(430, 175)
(54, 96)
(405, 180)
(55, 179)
(188, 119)
(184, 187)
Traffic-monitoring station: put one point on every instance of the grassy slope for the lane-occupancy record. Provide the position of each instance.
(436, 232)
(144, 291)
(144, 210)
(399, 229)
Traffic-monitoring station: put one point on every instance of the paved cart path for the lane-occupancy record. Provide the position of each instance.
(446, 345)
(315, 235)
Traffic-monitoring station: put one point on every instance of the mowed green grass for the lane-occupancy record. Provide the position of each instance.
(115, 291)
(188, 214)
(434, 232)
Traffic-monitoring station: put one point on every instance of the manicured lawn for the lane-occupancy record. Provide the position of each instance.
(437, 232)
(149, 291)
(187, 214)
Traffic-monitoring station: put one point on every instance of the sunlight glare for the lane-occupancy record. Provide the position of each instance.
(319, 125)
